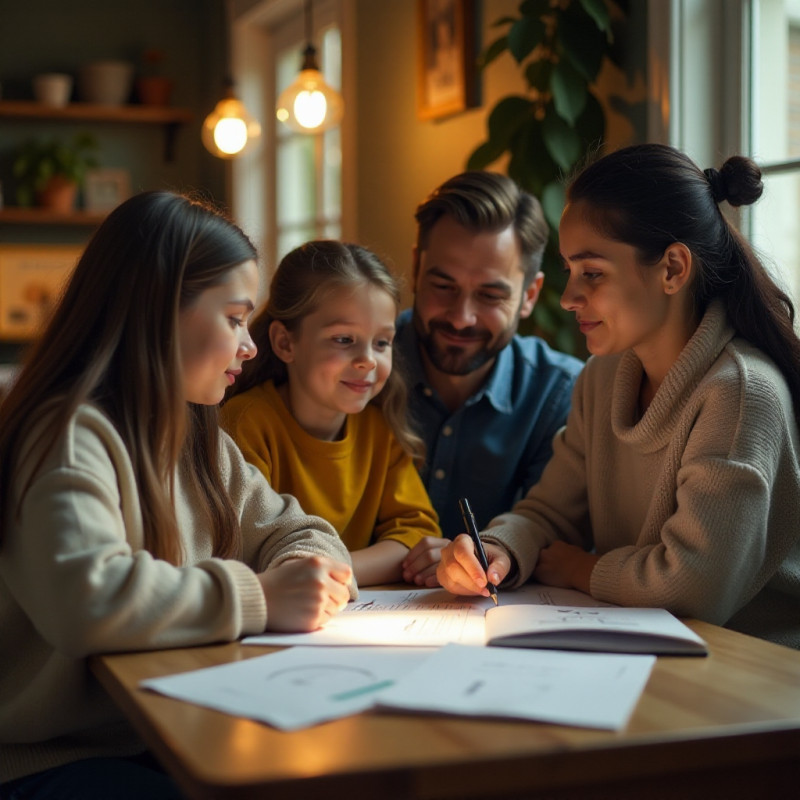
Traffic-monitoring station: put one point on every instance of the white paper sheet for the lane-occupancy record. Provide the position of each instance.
(294, 688)
(582, 689)
(418, 618)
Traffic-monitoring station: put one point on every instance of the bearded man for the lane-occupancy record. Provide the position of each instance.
(486, 401)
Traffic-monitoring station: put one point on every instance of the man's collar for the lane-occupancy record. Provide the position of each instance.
(497, 386)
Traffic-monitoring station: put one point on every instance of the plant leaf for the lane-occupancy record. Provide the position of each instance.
(569, 91)
(507, 117)
(545, 318)
(534, 8)
(553, 198)
(538, 74)
(503, 21)
(562, 142)
(524, 35)
(581, 41)
(484, 154)
(598, 11)
(592, 124)
(530, 165)
(497, 47)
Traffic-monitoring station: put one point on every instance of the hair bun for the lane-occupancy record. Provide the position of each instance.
(738, 181)
(715, 181)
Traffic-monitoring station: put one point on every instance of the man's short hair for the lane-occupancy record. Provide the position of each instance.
(488, 202)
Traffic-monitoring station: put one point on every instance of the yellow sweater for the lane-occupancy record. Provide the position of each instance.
(365, 484)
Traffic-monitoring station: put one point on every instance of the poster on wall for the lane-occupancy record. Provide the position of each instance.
(32, 278)
(446, 74)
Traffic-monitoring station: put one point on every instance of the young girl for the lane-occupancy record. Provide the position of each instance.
(323, 416)
(676, 480)
(128, 521)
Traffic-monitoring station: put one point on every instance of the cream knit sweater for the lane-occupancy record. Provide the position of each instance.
(74, 581)
(695, 506)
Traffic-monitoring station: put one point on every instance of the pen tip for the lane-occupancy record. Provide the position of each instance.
(494, 597)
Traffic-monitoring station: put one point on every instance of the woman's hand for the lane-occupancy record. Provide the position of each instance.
(419, 565)
(302, 594)
(565, 565)
(460, 572)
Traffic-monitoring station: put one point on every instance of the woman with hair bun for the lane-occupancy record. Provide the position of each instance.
(675, 482)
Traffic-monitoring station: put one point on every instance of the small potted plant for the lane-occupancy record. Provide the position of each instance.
(49, 173)
(153, 88)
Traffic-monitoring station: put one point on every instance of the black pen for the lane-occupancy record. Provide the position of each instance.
(472, 530)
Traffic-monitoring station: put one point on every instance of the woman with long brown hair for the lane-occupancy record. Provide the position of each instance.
(129, 522)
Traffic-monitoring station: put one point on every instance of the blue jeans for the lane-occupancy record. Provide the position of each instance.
(137, 778)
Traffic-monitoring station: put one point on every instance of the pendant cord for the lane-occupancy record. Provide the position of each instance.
(309, 30)
(227, 49)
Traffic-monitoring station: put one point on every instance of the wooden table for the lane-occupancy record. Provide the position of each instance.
(726, 726)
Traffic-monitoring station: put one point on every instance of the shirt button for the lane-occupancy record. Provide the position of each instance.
(427, 391)
(447, 431)
(439, 474)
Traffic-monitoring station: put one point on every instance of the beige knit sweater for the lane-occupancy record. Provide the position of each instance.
(74, 581)
(695, 506)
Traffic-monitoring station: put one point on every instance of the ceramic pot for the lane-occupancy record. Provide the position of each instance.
(106, 83)
(52, 89)
(59, 194)
(154, 90)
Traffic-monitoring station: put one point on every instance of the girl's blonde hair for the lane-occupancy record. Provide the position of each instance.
(304, 278)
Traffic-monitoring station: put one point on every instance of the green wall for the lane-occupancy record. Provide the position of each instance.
(56, 35)
(59, 36)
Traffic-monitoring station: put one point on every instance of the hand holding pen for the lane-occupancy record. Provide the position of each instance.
(472, 530)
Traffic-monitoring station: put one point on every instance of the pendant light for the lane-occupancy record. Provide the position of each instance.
(229, 130)
(309, 105)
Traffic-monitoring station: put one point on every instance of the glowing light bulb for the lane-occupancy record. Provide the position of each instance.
(229, 129)
(309, 105)
(230, 135)
(310, 108)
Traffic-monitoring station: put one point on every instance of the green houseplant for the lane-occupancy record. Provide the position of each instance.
(49, 173)
(560, 46)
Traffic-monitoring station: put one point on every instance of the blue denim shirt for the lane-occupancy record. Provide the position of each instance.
(493, 448)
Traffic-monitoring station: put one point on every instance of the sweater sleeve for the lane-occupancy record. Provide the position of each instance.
(727, 534)
(405, 514)
(554, 508)
(73, 561)
(73, 555)
(274, 527)
(711, 550)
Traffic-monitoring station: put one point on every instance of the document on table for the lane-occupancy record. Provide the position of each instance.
(294, 688)
(596, 690)
(304, 686)
(419, 617)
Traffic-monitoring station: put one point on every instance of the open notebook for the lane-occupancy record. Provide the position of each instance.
(532, 617)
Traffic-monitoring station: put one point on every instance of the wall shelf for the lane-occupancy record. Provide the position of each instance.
(170, 118)
(16, 215)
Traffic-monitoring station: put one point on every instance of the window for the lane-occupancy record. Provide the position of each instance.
(774, 88)
(308, 178)
(733, 86)
(292, 188)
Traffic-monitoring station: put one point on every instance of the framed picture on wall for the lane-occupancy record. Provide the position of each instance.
(32, 278)
(105, 189)
(446, 74)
